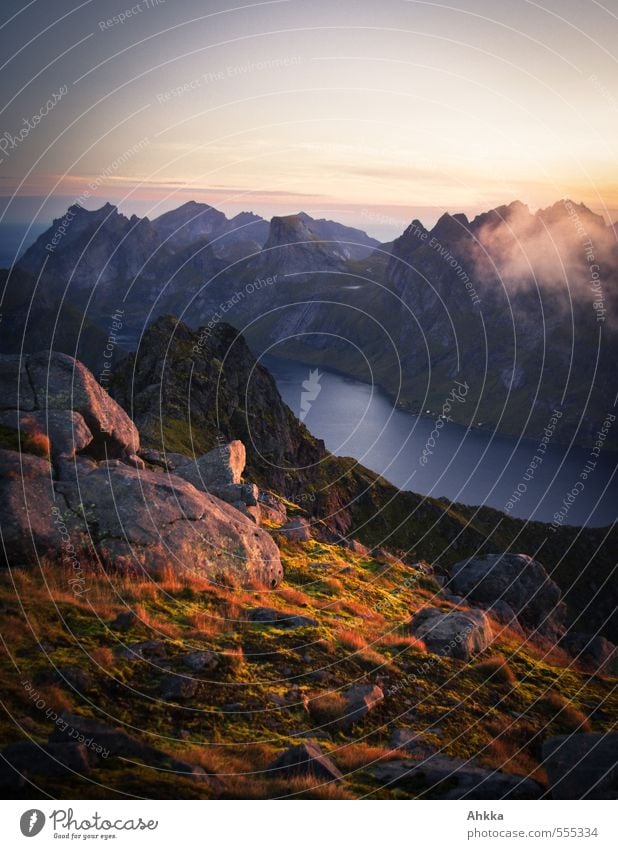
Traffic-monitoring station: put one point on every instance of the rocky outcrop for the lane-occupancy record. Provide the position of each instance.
(360, 700)
(593, 650)
(453, 633)
(219, 472)
(441, 777)
(66, 403)
(93, 503)
(516, 579)
(307, 760)
(582, 766)
(297, 529)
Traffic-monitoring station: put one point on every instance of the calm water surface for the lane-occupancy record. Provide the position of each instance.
(469, 466)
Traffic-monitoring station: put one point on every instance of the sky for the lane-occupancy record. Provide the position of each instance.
(371, 113)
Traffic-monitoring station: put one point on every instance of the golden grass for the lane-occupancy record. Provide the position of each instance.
(156, 622)
(401, 641)
(358, 755)
(234, 657)
(103, 656)
(326, 708)
(352, 640)
(294, 596)
(495, 670)
(564, 716)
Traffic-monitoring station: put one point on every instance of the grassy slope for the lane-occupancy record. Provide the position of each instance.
(283, 677)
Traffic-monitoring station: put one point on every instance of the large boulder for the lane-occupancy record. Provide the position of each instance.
(307, 760)
(297, 529)
(150, 520)
(82, 508)
(219, 473)
(516, 579)
(582, 766)
(361, 699)
(220, 467)
(452, 633)
(50, 386)
(66, 430)
(441, 777)
(593, 650)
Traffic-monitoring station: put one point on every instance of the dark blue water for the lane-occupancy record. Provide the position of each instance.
(470, 466)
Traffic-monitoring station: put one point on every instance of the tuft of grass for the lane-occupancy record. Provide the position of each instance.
(355, 755)
(234, 658)
(495, 670)
(563, 716)
(327, 708)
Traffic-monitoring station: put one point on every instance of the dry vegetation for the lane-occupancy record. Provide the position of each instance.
(272, 684)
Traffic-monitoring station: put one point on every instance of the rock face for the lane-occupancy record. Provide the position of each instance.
(582, 766)
(219, 472)
(82, 507)
(516, 579)
(361, 699)
(297, 529)
(454, 633)
(304, 761)
(592, 649)
(442, 777)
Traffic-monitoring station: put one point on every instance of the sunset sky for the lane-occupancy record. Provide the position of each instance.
(369, 112)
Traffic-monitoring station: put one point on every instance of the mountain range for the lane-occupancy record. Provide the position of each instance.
(516, 304)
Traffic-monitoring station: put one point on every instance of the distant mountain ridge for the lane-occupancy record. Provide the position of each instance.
(518, 304)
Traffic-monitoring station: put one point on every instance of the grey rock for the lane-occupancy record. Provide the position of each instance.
(411, 742)
(452, 778)
(125, 620)
(222, 466)
(297, 529)
(63, 383)
(361, 699)
(152, 650)
(114, 742)
(270, 616)
(201, 661)
(307, 760)
(592, 649)
(582, 766)
(66, 430)
(55, 759)
(73, 676)
(178, 687)
(516, 579)
(452, 633)
(16, 390)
